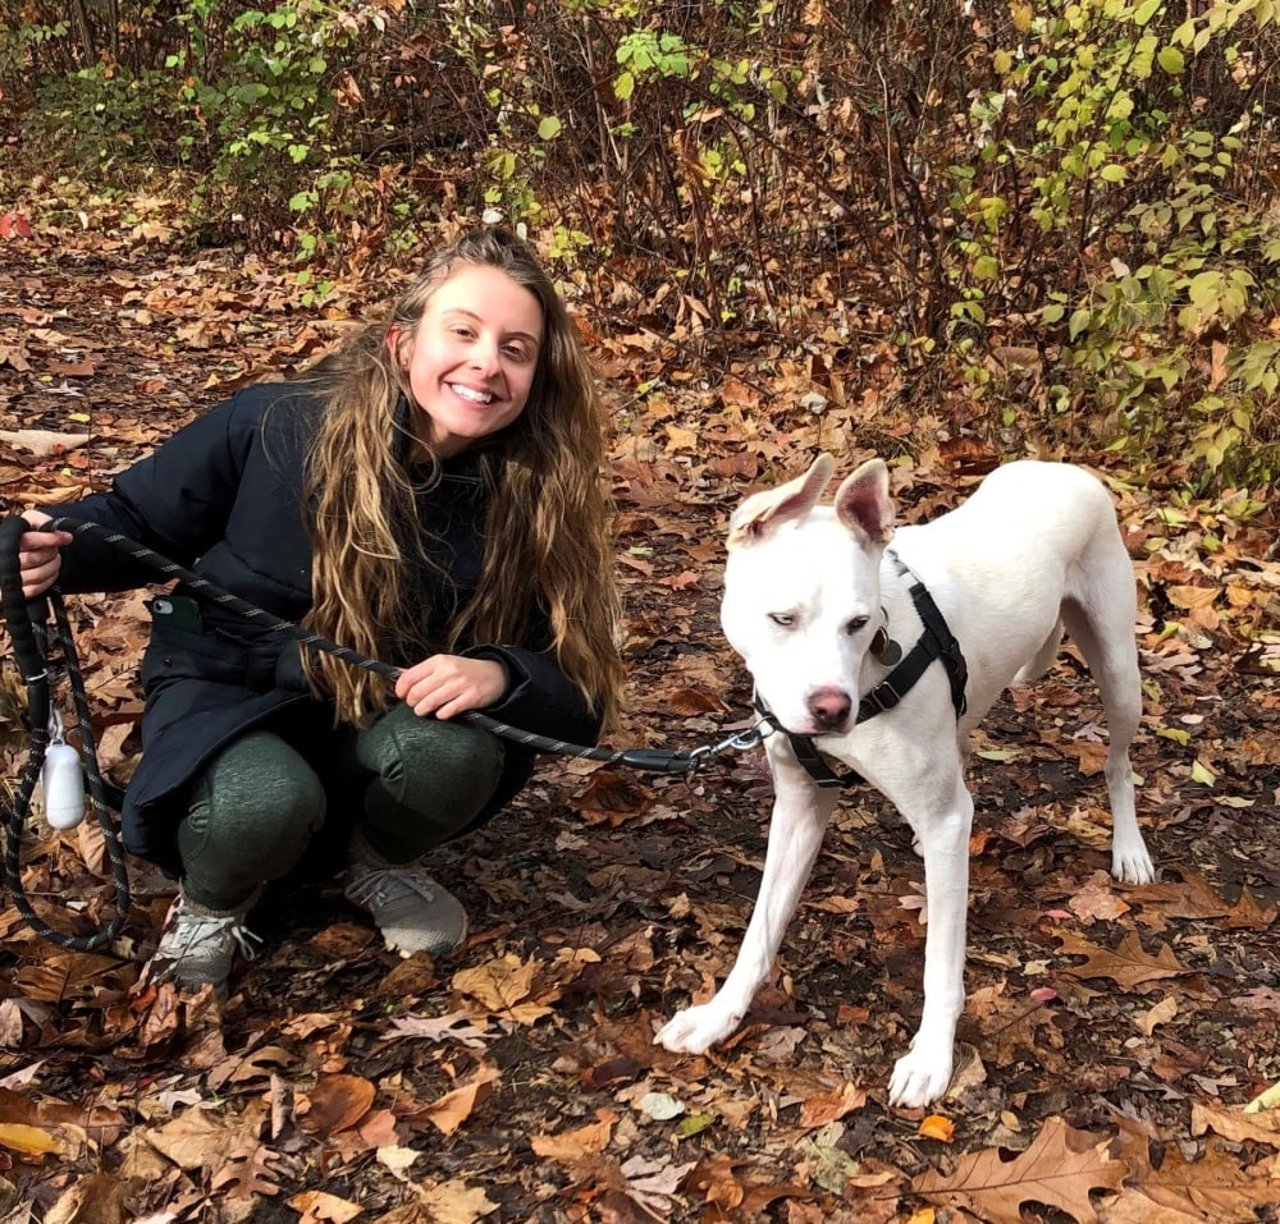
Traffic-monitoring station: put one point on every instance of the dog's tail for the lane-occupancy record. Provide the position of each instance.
(1043, 658)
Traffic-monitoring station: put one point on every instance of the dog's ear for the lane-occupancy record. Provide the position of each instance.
(863, 504)
(762, 512)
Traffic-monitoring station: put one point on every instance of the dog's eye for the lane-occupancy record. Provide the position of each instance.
(858, 622)
(785, 619)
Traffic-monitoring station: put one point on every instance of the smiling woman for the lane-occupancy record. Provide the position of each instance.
(430, 496)
(471, 358)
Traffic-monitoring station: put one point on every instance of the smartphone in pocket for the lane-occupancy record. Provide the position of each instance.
(179, 612)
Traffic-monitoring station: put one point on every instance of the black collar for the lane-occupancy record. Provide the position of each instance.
(936, 642)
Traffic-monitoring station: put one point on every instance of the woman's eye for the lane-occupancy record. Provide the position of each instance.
(785, 619)
(858, 622)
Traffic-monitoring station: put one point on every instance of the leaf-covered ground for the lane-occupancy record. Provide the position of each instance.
(1112, 1033)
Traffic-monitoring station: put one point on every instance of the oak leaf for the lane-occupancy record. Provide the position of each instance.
(1191, 897)
(1128, 965)
(1237, 1126)
(1213, 1188)
(1059, 1168)
(249, 1172)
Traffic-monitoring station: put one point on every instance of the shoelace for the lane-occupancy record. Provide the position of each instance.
(194, 929)
(372, 889)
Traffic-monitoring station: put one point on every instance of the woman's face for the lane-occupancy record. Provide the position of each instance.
(472, 357)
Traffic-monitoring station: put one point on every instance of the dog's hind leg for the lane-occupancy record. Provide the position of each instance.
(1100, 621)
(1043, 658)
(800, 814)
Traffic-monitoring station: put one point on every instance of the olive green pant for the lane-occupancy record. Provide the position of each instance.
(407, 783)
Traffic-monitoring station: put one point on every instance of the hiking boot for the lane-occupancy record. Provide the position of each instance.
(413, 911)
(198, 944)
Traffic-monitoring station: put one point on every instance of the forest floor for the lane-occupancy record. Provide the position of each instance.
(1112, 1033)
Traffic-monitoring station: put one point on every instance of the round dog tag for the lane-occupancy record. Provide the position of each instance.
(890, 653)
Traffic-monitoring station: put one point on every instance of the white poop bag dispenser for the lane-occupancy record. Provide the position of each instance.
(62, 779)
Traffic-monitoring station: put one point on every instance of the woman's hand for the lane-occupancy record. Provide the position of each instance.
(445, 685)
(40, 554)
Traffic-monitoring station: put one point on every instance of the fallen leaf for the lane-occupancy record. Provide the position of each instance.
(317, 1207)
(455, 1202)
(825, 1107)
(1128, 965)
(935, 1126)
(43, 442)
(29, 1140)
(1059, 1168)
(1236, 1125)
(571, 1146)
(450, 1111)
(98, 1198)
(336, 1102)
(1161, 1013)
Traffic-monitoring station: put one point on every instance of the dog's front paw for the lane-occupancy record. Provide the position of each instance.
(921, 1075)
(1132, 864)
(696, 1028)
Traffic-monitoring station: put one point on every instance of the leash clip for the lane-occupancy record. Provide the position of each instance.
(739, 741)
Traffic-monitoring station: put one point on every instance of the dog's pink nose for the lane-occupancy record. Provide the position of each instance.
(829, 706)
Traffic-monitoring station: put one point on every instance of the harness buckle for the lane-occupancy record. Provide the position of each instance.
(877, 698)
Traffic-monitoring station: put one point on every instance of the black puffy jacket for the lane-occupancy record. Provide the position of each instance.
(224, 497)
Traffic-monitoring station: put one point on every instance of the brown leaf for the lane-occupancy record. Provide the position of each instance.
(1189, 598)
(1059, 1168)
(570, 1146)
(248, 1172)
(1160, 1013)
(197, 1140)
(1128, 965)
(337, 1101)
(1248, 915)
(824, 1107)
(317, 1207)
(1213, 1188)
(98, 1198)
(451, 1110)
(1232, 1124)
(690, 701)
(455, 1202)
(498, 984)
(1191, 897)
(1098, 899)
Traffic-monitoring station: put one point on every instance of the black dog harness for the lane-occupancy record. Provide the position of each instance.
(936, 642)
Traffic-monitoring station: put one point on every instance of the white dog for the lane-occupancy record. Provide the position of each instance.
(817, 606)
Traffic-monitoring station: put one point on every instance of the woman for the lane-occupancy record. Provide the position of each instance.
(429, 496)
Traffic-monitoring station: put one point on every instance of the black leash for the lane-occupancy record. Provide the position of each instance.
(31, 661)
(29, 639)
(936, 642)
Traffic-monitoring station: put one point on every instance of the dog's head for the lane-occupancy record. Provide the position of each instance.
(802, 592)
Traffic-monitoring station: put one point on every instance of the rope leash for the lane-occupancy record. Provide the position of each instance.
(29, 649)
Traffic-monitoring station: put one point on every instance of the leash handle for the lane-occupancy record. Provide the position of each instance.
(18, 616)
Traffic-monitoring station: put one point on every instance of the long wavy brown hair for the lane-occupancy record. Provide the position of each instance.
(547, 536)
